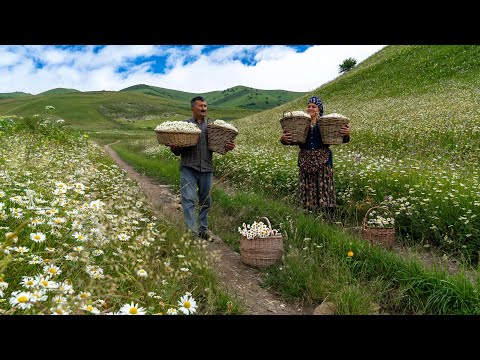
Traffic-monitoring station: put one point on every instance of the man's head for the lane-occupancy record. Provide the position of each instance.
(199, 107)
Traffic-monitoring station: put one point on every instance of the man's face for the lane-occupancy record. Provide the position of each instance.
(199, 109)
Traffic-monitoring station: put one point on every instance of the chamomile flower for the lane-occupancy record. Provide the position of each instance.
(187, 304)
(84, 295)
(131, 309)
(59, 310)
(172, 311)
(37, 237)
(28, 282)
(52, 270)
(91, 309)
(21, 299)
(123, 237)
(142, 273)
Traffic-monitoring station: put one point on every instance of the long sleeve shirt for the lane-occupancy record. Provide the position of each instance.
(198, 157)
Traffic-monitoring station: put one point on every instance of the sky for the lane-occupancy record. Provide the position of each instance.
(190, 68)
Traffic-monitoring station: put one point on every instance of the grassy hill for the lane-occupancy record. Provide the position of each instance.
(140, 106)
(59, 91)
(235, 97)
(111, 109)
(15, 94)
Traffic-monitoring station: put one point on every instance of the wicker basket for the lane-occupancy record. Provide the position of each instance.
(261, 252)
(178, 138)
(297, 126)
(378, 236)
(330, 129)
(218, 136)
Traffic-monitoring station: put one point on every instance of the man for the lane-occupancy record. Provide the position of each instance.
(196, 172)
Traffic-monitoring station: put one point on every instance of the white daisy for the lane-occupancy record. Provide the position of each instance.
(28, 282)
(52, 270)
(21, 299)
(172, 311)
(37, 237)
(59, 310)
(91, 309)
(187, 304)
(131, 309)
(142, 273)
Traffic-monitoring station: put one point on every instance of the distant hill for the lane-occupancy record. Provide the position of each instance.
(141, 106)
(59, 91)
(235, 97)
(13, 95)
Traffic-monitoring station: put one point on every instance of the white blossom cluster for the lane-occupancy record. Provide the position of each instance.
(257, 230)
(178, 126)
(224, 124)
(296, 113)
(334, 115)
(380, 221)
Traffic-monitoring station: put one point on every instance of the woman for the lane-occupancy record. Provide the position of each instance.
(316, 189)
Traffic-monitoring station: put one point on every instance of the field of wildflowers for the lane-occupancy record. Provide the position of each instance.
(77, 236)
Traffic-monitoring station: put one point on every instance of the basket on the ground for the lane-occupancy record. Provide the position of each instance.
(384, 236)
(297, 125)
(261, 252)
(181, 139)
(330, 128)
(218, 136)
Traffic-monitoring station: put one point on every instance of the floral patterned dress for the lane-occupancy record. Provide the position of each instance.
(316, 190)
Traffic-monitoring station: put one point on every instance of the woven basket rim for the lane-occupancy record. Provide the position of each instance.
(177, 132)
(222, 127)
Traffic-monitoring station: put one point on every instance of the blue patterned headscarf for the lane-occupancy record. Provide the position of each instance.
(315, 100)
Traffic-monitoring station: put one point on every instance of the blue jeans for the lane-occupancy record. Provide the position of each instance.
(190, 180)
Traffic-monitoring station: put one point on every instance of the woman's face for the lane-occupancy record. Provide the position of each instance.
(312, 109)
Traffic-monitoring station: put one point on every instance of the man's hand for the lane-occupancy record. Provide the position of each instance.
(230, 145)
(174, 147)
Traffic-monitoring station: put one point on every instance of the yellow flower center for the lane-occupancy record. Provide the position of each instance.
(22, 299)
(44, 282)
(83, 296)
(59, 311)
(187, 305)
(29, 282)
(37, 237)
(89, 307)
(52, 270)
(133, 311)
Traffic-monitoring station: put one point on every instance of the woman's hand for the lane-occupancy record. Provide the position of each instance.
(345, 130)
(286, 137)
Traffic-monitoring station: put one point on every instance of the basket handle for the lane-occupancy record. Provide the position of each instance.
(364, 222)
(268, 221)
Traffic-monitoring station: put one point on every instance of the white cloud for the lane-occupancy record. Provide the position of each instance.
(188, 68)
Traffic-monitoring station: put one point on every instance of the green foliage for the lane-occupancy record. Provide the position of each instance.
(347, 65)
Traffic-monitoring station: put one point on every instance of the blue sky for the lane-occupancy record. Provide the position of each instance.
(191, 68)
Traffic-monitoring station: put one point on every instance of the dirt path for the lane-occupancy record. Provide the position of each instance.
(240, 280)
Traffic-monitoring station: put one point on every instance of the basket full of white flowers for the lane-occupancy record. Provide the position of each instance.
(260, 245)
(180, 133)
(219, 133)
(378, 226)
(296, 123)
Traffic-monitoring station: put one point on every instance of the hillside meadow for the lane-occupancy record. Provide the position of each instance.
(414, 149)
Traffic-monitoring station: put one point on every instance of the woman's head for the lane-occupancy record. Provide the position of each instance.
(315, 105)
